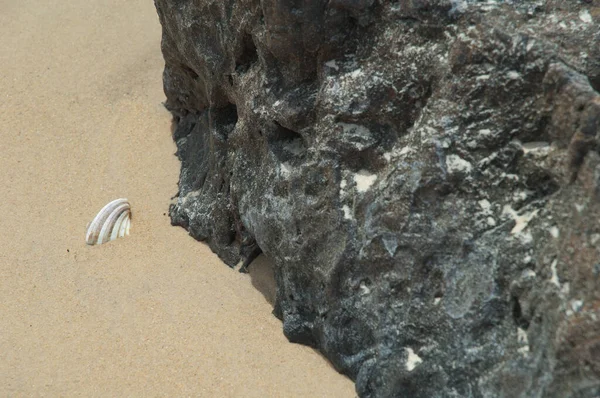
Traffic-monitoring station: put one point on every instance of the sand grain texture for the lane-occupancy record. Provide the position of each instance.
(154, 313)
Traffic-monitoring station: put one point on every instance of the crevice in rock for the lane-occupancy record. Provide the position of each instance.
(222, 185)
(539, 133)
(189, 71)
(223, 121)
(517, 314)
(542, 183)
(248, 55)
(198, 183)
(287, 145)
(369, 160)
(595, 83)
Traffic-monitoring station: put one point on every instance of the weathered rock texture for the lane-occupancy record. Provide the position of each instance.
(425, 175)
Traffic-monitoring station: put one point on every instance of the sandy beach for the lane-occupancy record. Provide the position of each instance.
(152, 314)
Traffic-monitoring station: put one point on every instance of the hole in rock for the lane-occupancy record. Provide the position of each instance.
(223, 120)
(222, 185)
(369, 159)
(361, 144)
(595, 82)
(286, 144)
(517, 314)
(183, 126)
(537, 132)
(248, 55)
(541, 183)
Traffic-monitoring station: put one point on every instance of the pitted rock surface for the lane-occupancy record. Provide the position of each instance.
(424, 174)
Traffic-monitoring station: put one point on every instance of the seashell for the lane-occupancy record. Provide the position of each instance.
(112, 222)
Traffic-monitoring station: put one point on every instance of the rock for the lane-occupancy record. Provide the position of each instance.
(424, 174)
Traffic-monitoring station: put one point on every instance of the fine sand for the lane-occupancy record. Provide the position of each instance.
(152, 314)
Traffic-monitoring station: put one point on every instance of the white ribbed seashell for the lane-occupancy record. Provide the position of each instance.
(112, 222)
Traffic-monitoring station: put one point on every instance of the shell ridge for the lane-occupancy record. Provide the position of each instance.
(107, 224)
(116, 230)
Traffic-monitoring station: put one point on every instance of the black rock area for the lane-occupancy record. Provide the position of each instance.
(424, 174)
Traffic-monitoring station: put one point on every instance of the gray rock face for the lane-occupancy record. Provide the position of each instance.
(425, 175)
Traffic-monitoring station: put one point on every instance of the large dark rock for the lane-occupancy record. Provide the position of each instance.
(425, 175)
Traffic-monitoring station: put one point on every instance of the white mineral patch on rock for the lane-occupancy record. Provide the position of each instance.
(364, 289)
(413, 360)
(190, 195)
(356, 128)
(391, 244)
(513, 75)
(520, 196)
(332, 64)
(356, 73)
(521, 221)
(406, 150)
(535, 146)
(522, 336)
(555, 232)
(347, 212)
(585, 16)
(529, 273)
(525, 237)
(524, 340)
(458, 6)
(530, 44)
(554, 278)
(285, 169)
(485, 204)
(343, 187)
(576, 305)
(364, 180)
(455, 163)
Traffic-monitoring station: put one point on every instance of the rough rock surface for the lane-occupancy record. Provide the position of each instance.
(425, 175)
